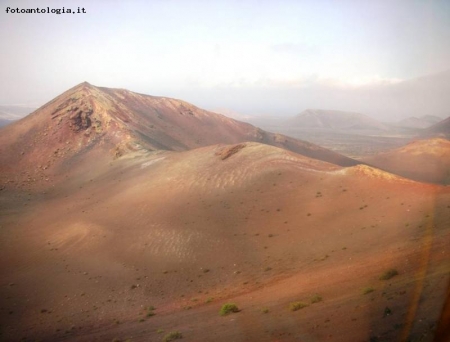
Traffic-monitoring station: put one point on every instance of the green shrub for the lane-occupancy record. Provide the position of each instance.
(367, 290)
(228, 308)
(150, 312)
(316, 299)
(389, 274)
(265, 310)
(174, 335)
(294, 306)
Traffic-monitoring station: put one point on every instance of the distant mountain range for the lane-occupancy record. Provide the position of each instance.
(351, 121)
(335, 119)
(441, 129)
(9, 114)
(418, 122)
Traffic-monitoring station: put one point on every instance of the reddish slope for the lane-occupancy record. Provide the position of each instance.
(88, 123)
(422, 160)
(188, 231)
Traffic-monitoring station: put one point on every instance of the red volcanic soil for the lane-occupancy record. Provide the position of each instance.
(88, 123)
(248, 224)
(421, 160)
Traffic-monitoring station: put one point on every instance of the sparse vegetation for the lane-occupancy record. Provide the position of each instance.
(294, 306)
(228, 308)
(367, 290)
(265, 310)
(174, 335)
(209, 300)
(159, 331)
(389, 274)
(316, 299)
(150, 311)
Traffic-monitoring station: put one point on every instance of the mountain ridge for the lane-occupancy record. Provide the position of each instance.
(108, 123)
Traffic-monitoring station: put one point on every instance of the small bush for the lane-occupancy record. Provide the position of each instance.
(389, 274)
(265, 310)
(174, 335)
(294, 306)
(150, 312)
(228, 308)
(316, 299)
(367, 290)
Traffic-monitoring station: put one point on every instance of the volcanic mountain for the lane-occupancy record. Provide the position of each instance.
(107, 123)
(164, 213)
(335, 120)
(422, 160)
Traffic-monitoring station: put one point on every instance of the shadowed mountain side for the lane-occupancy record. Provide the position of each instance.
(441, 129)
(248, 223)
(88, 122)
(421, 160)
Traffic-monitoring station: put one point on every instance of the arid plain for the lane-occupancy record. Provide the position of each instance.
(128, 217)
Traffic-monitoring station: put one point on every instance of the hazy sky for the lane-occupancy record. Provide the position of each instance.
(253, 57)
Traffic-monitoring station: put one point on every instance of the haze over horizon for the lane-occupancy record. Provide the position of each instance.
(387, 59)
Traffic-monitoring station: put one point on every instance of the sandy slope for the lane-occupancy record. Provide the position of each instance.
(188, 231)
